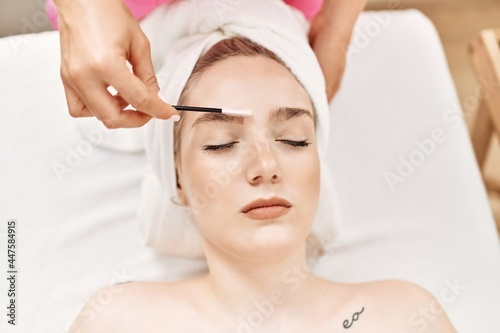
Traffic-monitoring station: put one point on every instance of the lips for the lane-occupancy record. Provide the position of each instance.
(266, 208)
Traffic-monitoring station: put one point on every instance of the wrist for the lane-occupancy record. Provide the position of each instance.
(85, 13)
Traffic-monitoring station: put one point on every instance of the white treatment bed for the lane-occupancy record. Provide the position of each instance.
(396, 117)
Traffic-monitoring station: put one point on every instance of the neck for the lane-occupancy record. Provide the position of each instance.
(241, 286)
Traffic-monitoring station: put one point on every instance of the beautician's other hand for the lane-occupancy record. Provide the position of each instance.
(97, 38)
(330, 34)
(331, 57)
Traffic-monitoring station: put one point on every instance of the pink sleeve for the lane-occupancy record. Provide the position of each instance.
(51, 11)
(310, 8)
(141, 8)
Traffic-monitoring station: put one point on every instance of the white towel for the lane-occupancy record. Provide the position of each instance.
(197, 25)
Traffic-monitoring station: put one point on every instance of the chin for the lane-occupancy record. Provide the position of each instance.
(270, 241)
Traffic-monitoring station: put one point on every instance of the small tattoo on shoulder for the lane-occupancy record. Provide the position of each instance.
(355, 317)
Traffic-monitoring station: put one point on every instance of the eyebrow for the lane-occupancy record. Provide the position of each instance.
(287, 113)
(279, 114)
(213, 117)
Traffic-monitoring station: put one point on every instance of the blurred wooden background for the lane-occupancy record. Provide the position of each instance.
(458, 22)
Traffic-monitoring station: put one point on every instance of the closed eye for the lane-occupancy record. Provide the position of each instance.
(296, 144)
(225, 146)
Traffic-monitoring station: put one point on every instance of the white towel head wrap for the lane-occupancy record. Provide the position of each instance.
(165, 225)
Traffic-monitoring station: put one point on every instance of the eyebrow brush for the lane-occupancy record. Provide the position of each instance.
(232, 112)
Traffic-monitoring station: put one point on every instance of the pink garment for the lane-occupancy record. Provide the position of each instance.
(141, 8)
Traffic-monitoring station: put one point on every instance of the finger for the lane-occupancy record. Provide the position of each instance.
(142, 66)
(121, 102)
(137, 94)
(123, 105)
(76, 107)
(108, 108)
(129, 119)
(143, 118)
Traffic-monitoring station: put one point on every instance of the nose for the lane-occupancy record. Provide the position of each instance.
(262, 164)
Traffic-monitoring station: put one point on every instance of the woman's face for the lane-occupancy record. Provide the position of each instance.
(226, 163)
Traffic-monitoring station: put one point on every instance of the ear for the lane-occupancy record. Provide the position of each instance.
(180, 191)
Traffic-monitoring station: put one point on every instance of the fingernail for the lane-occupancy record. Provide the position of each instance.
(174, 117)
(163, 98)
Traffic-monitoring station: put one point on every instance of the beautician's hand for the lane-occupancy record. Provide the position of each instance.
(331, 57)
(97, 38)
(330, 35)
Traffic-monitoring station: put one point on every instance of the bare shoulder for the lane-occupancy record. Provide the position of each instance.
(121, 307)
(408, 306)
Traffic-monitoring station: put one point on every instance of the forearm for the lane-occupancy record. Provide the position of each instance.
(340, 16)
(330, 34)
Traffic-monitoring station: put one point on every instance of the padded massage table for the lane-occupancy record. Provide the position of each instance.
(412, 202)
